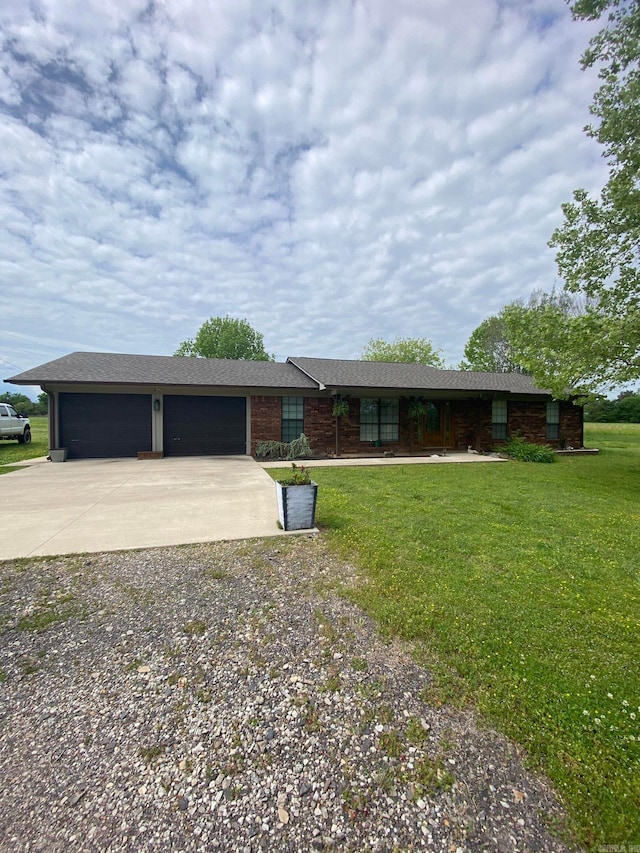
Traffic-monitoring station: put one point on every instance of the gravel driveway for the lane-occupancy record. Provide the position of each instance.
(226, 697)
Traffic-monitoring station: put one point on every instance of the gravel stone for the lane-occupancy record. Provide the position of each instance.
(229, 697)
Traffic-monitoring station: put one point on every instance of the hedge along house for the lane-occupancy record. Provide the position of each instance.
(111, 405)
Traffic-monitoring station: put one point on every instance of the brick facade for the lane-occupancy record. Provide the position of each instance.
(266, 419)
(320, 425)
(469, 425)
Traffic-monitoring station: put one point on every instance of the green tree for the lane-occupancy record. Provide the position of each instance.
(599, 410)
(20, 402)
(624, 409)
(226, 337)
(405, 350)
(489, 348)
(627, 408)
(598, 243)
(560, 340)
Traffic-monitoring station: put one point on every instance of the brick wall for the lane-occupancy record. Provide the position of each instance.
(319, 424)
(324, 438)
(266, 419)
(470, 425)
(571, 424)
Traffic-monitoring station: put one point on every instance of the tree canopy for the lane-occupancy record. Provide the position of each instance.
(406, 350)
(598, 245)
(624, 409)
(558, 339)
(226, 337)
(489, 348)
(25, 405)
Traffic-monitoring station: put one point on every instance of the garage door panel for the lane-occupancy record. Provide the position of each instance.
(98, 426)
(204, 426)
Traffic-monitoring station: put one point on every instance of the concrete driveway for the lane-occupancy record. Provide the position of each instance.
(94, 505)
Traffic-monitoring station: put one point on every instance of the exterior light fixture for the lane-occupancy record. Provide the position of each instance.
(156, 405)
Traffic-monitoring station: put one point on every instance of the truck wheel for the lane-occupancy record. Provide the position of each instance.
(25, 438)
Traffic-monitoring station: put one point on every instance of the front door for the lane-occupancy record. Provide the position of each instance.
(435, 429)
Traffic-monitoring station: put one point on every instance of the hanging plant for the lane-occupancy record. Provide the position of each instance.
(340, 408)
(416, 409)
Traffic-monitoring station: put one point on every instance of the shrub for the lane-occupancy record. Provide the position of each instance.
(299, 448)
(524, 451)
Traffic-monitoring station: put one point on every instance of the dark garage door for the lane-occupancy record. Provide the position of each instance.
(204, 426)
(104, 425)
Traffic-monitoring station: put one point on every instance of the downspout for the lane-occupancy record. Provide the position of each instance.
(52, 417)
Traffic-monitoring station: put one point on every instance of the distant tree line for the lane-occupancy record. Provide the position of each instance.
(625, 409)
(25, 406)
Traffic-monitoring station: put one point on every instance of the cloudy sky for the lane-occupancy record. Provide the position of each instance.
(330, 170)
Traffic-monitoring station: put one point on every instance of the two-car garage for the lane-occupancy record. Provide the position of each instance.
(94, 425)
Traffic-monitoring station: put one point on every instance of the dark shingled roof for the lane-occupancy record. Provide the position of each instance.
(336, 373)
(112, 368)
(102, 368)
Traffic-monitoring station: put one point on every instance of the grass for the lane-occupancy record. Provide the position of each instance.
(12, 452)
(519, 586)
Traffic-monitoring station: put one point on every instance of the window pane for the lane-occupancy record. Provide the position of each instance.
(379, 419)
(292, 417)
(553, 430)
(368, 419)
(292, 429)
(499, 412)
(389, 420)
(292, 407)
(499, 431)
(368, 411)
(553, 412)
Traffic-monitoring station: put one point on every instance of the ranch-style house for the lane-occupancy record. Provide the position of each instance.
(113, 405)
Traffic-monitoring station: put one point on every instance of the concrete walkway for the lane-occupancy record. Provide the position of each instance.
(91, 505)
(392, 460)
(95, 505)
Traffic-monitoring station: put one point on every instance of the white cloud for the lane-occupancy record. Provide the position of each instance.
(332, 172)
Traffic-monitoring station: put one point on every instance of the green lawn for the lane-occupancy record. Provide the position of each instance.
(11, 451)
(519, 585)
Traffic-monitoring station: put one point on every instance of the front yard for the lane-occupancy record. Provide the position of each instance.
(519, 586)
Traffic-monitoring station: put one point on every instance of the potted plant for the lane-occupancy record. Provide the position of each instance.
(297, 496)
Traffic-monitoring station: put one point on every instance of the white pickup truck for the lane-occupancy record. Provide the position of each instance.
(14, 426)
